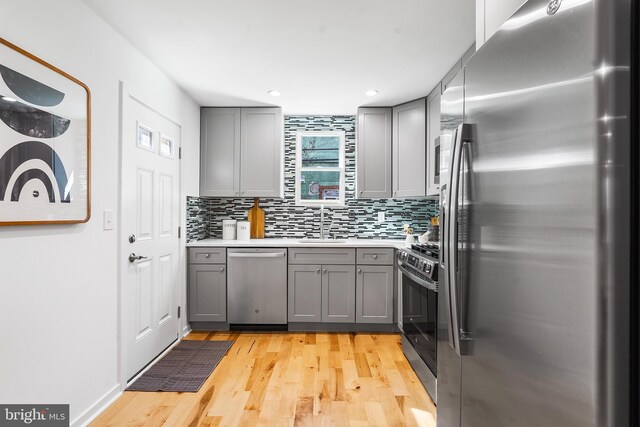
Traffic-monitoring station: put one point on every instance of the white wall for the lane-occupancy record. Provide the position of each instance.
(490, 15)
(58, 284)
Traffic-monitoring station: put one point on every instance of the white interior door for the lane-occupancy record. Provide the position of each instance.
(149, 232)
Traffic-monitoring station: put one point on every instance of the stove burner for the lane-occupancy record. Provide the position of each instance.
(428, 249)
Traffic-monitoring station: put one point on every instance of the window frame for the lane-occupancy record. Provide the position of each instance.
(340, 168)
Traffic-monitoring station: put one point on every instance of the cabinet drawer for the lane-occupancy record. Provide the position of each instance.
(207, 255)
(375, 256)
(322, 256)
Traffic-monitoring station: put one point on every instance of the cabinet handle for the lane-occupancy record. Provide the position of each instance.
(324, 270)
(221, 269)
(318, 271)
(207, 255)
(375, 256)
(359, 271)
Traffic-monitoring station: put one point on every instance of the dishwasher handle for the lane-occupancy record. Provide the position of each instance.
(256, 255)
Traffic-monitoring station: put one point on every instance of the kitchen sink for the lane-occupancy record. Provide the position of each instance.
(322, 241)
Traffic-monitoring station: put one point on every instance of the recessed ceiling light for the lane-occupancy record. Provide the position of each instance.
(274, 92)
(372, 92)
(8, 99)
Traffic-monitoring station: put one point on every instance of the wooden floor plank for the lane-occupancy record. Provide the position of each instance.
(290, 379)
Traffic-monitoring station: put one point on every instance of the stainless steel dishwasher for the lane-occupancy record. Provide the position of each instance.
(257, 286)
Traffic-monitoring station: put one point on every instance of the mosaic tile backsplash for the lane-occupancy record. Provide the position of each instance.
(283, 219)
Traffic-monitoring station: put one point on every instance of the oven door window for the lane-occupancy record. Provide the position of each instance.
(419, 316)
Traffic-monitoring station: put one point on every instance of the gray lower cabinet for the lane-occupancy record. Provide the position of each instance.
(322, 293)
(305, 293)
(338, 293)
(374, 294)
(207, 293)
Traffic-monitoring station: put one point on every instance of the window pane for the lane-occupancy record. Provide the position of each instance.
(320, 151)
(320, 185)
(166, 146)
(145, 137)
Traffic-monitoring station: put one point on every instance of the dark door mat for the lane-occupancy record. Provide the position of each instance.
(185, 368)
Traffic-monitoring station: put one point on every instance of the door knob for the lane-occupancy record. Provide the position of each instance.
(318, 271)
(324, 270)
(132, 238)
(133, 257)
(359, 271)
(375, 256)
(221, 269)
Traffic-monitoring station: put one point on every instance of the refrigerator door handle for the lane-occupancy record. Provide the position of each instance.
(454, 331)
(460, 140)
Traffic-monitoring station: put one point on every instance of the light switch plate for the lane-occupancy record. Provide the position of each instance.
(107, 223)
(381, 216)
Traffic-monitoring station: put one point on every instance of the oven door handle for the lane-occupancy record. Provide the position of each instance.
(420, 281)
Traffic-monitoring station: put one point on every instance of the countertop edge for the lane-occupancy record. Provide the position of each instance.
(294, 243)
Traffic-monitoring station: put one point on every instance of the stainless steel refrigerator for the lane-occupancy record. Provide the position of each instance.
(537, 284)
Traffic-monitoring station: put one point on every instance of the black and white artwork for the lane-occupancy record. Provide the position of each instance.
(44, 142)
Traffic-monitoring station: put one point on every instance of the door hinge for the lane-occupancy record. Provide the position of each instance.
(179, 311)
(179, 231)
(179, 152)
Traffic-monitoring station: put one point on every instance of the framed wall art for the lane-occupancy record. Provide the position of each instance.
(45, 149)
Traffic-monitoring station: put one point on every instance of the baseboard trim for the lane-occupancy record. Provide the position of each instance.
(98, 407)
(186, 330)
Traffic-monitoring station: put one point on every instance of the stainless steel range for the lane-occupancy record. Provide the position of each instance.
(418, 275)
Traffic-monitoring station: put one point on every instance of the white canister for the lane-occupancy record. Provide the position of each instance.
(229, 229)
(244, 230)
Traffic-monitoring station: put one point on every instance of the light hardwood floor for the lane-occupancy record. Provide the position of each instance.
(274, 379)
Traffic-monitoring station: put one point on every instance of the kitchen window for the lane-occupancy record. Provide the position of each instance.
(320, 168)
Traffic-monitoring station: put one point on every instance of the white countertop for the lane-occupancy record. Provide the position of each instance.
(295, 243)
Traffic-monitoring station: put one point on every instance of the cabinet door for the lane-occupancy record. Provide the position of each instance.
(305, 293)
(374, 294)
(433, 131)
(409, 149)
(207, 293)
(220, 152)
(338, 293)
(261, 152)
(374, 153)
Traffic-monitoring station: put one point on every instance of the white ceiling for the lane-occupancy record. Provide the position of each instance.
(322, 55)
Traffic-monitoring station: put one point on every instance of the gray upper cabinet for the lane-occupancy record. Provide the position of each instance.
(305, 293)
(374, 294)
(409, 149)
(261, 171)
(241, 152)
(207, 293)
(220, 152)
(433, 141)
(338, 293)
(374, 153)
